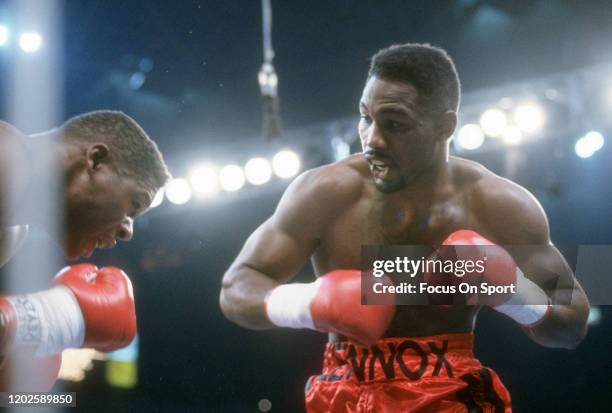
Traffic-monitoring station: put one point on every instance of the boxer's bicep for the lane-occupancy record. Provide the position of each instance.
(272, 255)
(282, 244)
(275, 252)
(525, 231)
(518, 221)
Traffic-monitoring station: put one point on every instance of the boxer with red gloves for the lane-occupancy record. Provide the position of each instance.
(528, 304)
(109, 170)
(332, 303)
(404, 189)
(87, 307)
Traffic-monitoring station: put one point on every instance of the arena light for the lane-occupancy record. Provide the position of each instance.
(470, 136)
(178, 191)
(286, 164)
(30, 42)
(158, 199)
(595, 139)
(4, 35)
(493, 122)
(204, 180)
(594, 317)
(529, 117)
(231, 178)
(590, 143)
(512, 135)
(258, 171)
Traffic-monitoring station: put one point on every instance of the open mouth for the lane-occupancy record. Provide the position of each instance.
(89, 249)
(380, 169)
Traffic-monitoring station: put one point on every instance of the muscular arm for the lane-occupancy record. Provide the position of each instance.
(515, 217)
(277, 250)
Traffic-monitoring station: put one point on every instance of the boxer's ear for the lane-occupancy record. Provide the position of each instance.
(447, 124)
(97, 155)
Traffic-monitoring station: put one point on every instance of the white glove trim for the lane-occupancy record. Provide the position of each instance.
(288, 305)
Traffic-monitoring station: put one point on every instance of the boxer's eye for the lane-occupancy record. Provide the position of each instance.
(395, 126)
(366, 119)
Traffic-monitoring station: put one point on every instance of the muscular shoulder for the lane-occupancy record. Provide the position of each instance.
(509, 212)
(335, 183)
(317, 196)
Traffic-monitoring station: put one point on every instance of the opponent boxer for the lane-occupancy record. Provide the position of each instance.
(403, 189)
(109, 172)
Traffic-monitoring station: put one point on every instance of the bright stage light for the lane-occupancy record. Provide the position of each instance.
(231, 178)
(258, 171)
(493, 122)
(594, 317)
(512, 135)
(589, 144)
(595, 139)
(178, 191)
(4, 34)
(158, 199)
(529, 117)
(286, 164)
(470, 136)
(204, 180)
(30, 42)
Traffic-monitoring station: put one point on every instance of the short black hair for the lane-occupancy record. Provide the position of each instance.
(429, 69)
(135, 153)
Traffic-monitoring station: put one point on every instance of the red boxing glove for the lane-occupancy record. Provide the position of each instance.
(482, 261)
(23, 372)
(86, 307)
(330, 304)
(106, 299)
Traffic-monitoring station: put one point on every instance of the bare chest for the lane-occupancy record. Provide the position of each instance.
(371, 222)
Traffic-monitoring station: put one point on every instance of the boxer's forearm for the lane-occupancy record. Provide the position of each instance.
(564, 327)
(243, 294)
(565, 324)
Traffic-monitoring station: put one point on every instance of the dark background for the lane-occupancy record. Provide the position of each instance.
(201, 97)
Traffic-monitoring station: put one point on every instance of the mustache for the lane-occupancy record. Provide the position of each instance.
(375, 153)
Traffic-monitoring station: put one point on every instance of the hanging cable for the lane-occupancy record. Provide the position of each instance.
(268, 80)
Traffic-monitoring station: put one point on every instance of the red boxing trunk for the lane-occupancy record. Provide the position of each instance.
(409, 375)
